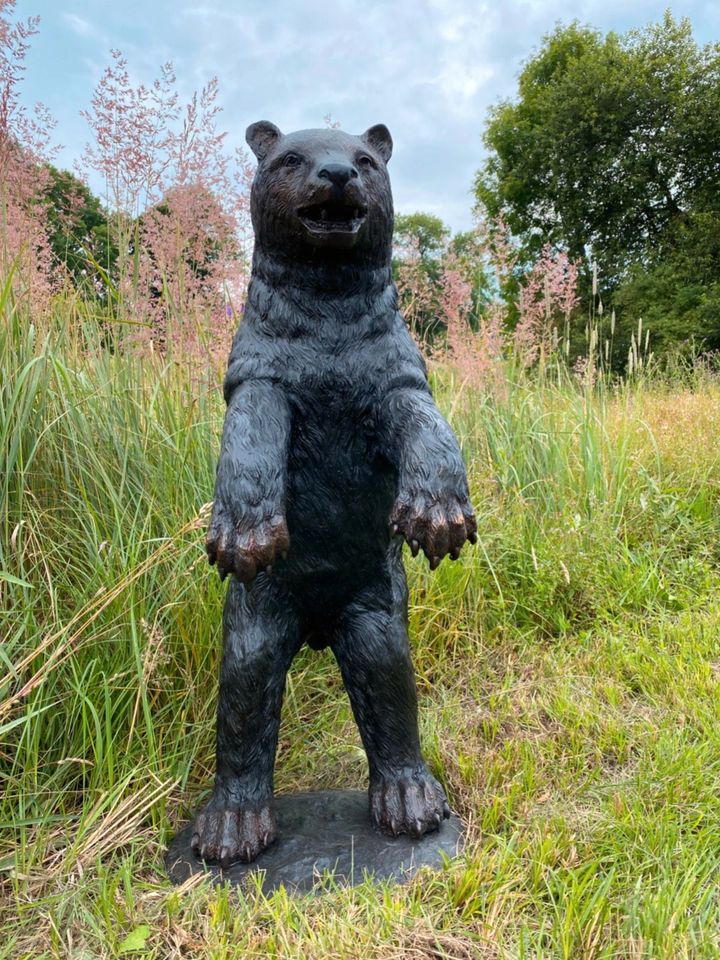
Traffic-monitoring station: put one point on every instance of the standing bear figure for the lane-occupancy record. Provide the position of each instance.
(333, 451)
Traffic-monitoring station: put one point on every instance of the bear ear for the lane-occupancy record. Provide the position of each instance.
(262, 137)
(378, 137)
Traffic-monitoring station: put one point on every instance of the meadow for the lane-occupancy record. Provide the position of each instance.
(568, 670)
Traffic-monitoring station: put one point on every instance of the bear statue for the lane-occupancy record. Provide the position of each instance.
(333, 452)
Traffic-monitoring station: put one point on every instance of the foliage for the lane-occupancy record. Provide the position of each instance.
(179, 201)
(611, 148)
(422, 233)
(169, 254)
(424, 252)
(78, 230)
(487, 310)
(678, 292)
(567, 671)
(419, 242)
(24, 148)
(188, 257)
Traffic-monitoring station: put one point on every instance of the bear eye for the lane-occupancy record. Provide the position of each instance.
(292, 160)
(365, 161)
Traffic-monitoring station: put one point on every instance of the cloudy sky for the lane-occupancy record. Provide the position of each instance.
(428, 69)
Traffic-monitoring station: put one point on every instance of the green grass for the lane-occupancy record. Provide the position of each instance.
(568, 670)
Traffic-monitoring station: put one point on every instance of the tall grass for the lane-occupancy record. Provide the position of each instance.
(567, 665)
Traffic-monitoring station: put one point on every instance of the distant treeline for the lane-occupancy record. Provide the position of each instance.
(597, 205)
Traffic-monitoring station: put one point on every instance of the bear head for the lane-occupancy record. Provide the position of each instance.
(322, 195)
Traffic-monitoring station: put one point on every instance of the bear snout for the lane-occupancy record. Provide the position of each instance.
(336, 209)
(338, 173)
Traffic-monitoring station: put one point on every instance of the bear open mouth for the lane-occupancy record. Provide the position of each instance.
(332, 217)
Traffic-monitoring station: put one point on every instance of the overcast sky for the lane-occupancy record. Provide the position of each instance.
(428, 69)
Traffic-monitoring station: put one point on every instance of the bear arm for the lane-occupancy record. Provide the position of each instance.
(432, 509)
(248, 529)
(252, 468)
(418, 441)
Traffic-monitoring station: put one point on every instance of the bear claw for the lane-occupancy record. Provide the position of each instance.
(245, 552)
(226, 835)
(439, 525)
(410, 801)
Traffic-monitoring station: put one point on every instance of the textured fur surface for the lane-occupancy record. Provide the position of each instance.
(333, 453)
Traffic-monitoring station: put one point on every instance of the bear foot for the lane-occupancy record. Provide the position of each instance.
(225, 834)
(409, 801)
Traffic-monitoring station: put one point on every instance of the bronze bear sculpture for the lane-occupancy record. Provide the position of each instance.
(333, 451)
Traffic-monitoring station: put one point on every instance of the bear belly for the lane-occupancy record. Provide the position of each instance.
(339, 495)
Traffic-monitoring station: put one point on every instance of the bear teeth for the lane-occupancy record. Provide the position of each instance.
(333, 217)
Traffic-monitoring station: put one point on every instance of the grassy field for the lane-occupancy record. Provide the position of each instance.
(568, 670)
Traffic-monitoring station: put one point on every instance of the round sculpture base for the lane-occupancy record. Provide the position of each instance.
(323, 836)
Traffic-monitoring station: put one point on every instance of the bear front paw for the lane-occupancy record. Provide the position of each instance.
(245, 549)
(439, 525)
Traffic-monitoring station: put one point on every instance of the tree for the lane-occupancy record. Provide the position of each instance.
(78, 230)
(420, 240)
(677, 294)
(469, 254)
(611, 151)
(422, 233)
(24, 147)
(433, 269)
(179, 210)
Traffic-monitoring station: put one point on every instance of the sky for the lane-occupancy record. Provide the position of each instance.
(428, 69)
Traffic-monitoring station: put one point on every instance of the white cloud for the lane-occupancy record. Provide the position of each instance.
(79, 25)
(428, 68)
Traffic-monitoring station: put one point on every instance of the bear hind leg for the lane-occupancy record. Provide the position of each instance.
(261, 636)
(372, 650)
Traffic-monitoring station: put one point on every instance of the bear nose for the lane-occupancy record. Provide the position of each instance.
(337, 173)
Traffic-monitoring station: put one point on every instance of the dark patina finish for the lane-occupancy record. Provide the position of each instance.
(324, 834)
(333, 452)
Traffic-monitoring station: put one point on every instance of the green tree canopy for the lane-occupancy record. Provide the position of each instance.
(78, 229)
(612, 143)
(425, 251)
(419, 242)
(422, 233)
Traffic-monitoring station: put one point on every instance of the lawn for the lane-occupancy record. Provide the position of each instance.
(568, 670)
